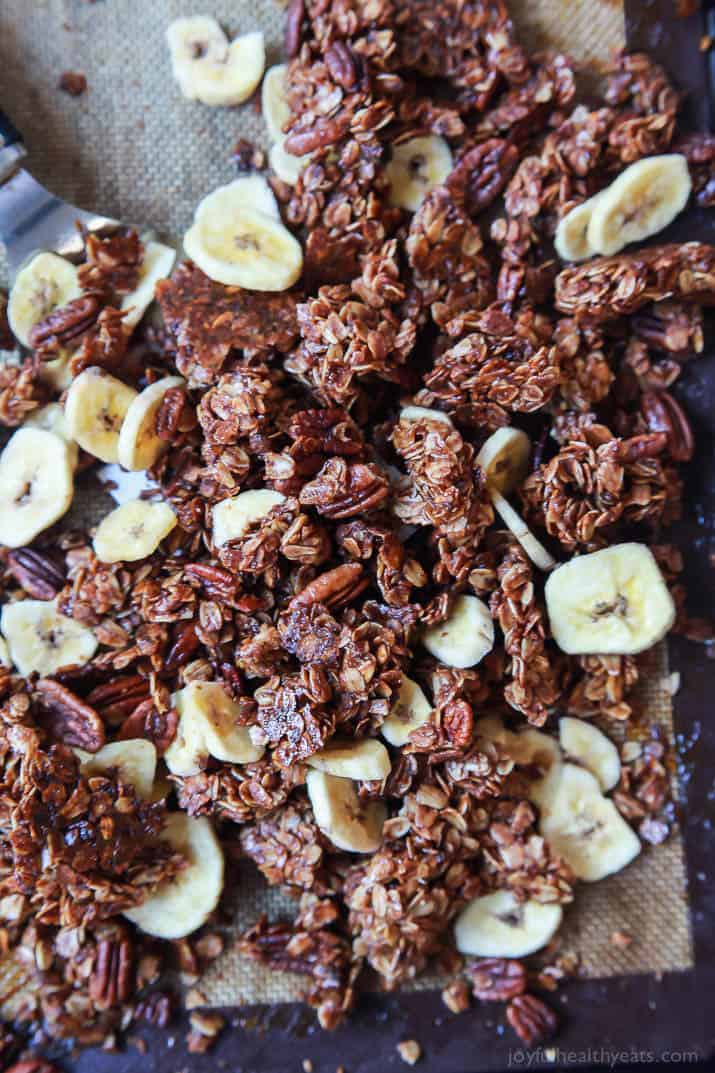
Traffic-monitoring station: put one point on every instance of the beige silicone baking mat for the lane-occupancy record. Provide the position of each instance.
(133, 148)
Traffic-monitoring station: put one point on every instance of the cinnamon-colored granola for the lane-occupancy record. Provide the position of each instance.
(312, 616)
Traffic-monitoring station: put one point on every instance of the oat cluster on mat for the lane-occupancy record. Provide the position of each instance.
(313, 615)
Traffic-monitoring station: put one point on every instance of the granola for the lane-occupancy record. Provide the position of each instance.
(296, 688)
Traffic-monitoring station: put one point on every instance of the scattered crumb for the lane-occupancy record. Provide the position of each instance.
(209, 946)
(621, 938)
(307, 1065)
(194, 999)
(671, 683)
(409, 1051)
(705, 42)
(72, 82)
(456, 996)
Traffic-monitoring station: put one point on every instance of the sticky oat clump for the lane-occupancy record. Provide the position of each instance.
(359, 399)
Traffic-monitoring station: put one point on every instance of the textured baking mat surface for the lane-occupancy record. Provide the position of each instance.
(133, 148)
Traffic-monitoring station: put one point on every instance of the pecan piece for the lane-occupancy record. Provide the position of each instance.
(294, 27)
(333, 588)
(39, 575)
(67, 718)
(663, 414)
(63, 325)
(497, 979)
(340, 61)
(218, 583)
(147, 722)
(531, 1019)
(117, 699)
(112, 979)
(155, 1009)
(341, 490)
(482, 173)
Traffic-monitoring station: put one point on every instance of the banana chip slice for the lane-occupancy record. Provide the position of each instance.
(365, 759)
(410, 711)
(499, 925)
(134, 760)
(95, 408)
(52, 418)
(133, 531)
(208, 726)
(585, 743)
(610, 601)
(157, 264)
(465, 638)
(139, 445)
(36, 484)
(416, 167)
(208, 68)
(40, 639)
(182, 904)
(42, 286)
(232, 517)
(350, 824)
(504, 457)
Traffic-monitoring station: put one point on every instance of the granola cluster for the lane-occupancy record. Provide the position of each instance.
(313, 616)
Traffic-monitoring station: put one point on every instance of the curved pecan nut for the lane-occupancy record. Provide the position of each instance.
(39, 575)
(112, 979)
(341, 64)
(531, 1019)
(66, 323)
(147, 722)
(663, 414)
(333, 588)
(294, 27)
(67, 718)
(497, 979)
(482, 173)
(117, 699)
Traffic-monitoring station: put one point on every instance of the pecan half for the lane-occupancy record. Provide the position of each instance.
(63, 325)
(333, 588)
(117, 699)
(340, 61)
(112, 979)
(531, 1019)
(218, 584)
(67, 718)
(341, 490)
(663, 414)
(155, 1009)
(497, 979)
(39, 575)
(147, 722)
(482, 173)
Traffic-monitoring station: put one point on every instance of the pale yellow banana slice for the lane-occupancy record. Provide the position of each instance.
(571, 238)
(157, 264)
(208, 68)
(611, 601)
(410, 711)
(516, 524)
(464, 638)
(424, 413)
(583, 826)
(134, 760)
(588, 746)
(41, 639)
(287, 166)
(644, 199)
(95, 408)
(36, 484)
(5, 660)
(133, 531)
(504, 457)
(232, 517)
(416, 167)
(251, 192)
(249, 249)
(208, 727)
(139, 446)
(182, 904)
(365, 759)
(52, 418)
(43, 285)
(350, 824)
(499, 925)
(274, 104)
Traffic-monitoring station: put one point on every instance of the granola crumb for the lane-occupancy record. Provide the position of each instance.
(409, 1051)
(456, 996)
(73, 83)
(307, 1065)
